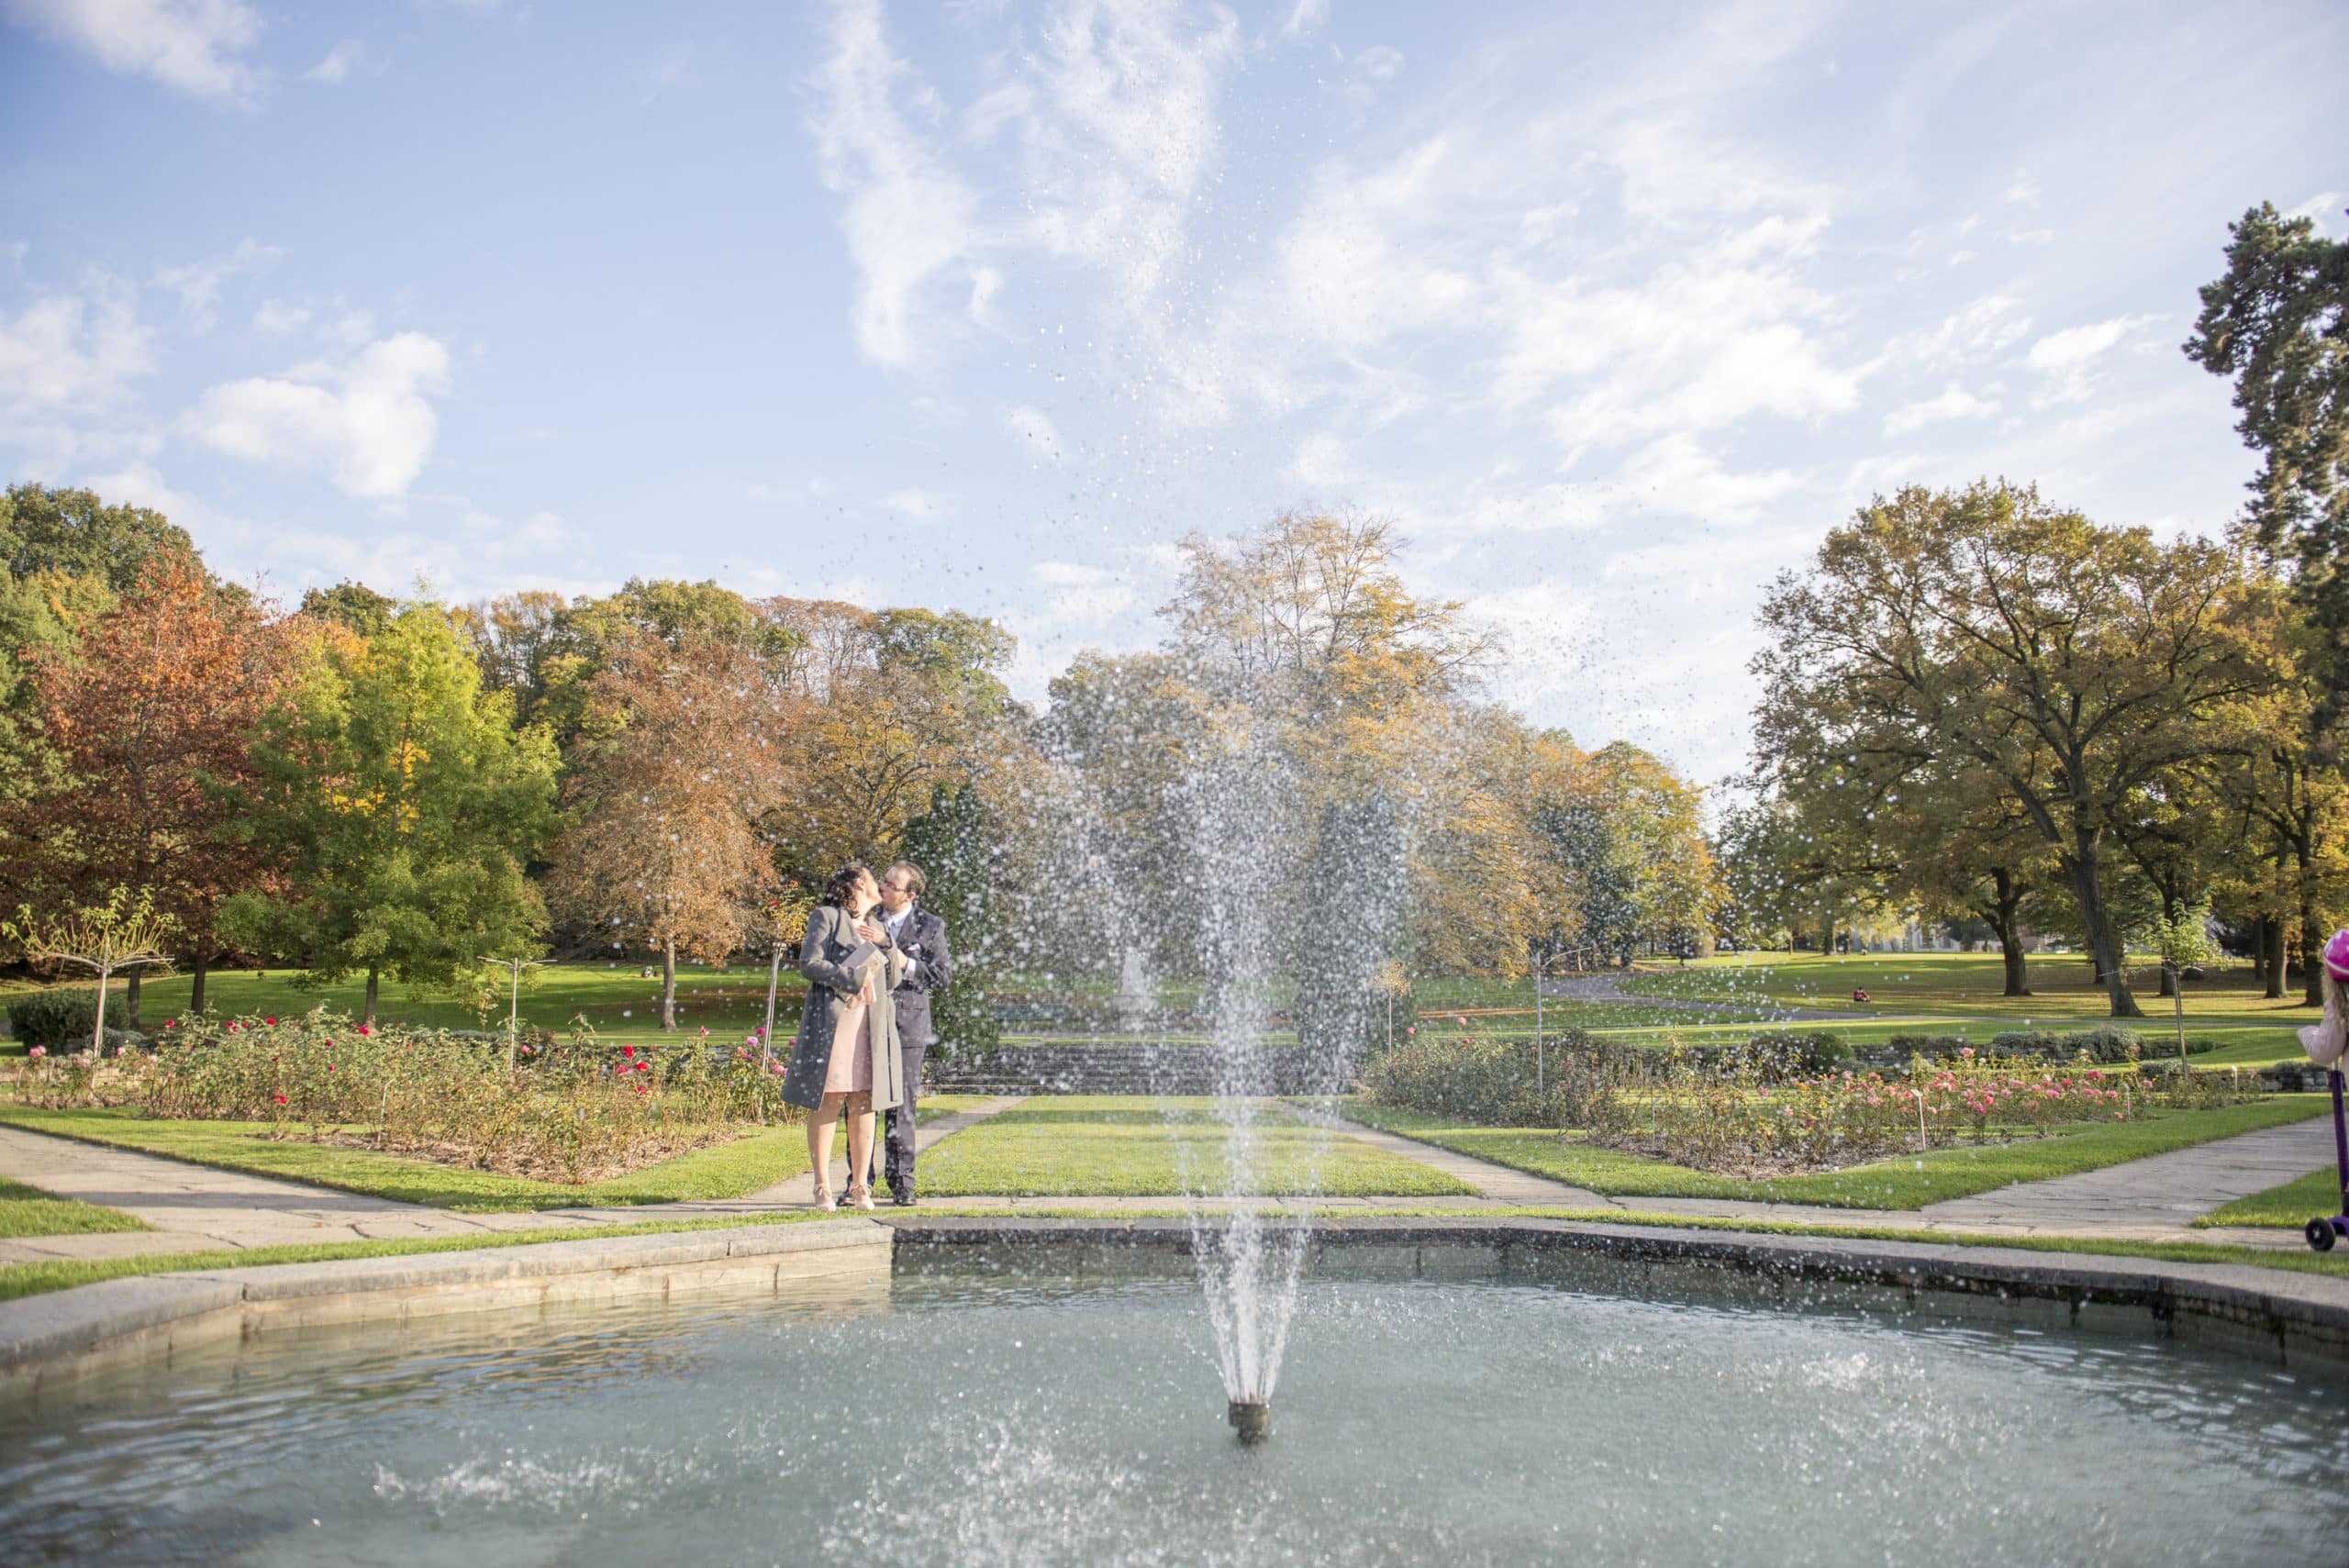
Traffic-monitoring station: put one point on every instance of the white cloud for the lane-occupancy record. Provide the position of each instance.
(65, 352)
(2069, 359)
(1308, 16)
(2022, 190)
(277, 317)
(2324, 209)
(365, 420)
(1321, 461)
(2030, 237)
(920, 504)
(188, 44)
(335, 69)
(198, 283)
(1083, 593)
(1032, 427)
(1956, 403)
(907, 216)
(1676, 474)
(1984, 330)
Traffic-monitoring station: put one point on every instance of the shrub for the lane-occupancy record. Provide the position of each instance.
(62, 1017)
(1932, 1047)
(1491, 1080)
(572, 1111)
(2108, 1044)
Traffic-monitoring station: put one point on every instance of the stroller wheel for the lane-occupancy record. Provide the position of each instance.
(2319, 1234)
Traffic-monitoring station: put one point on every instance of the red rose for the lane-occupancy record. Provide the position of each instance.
(279, 1098)
(269, 1020)
(364, 1029)
(628, 1051)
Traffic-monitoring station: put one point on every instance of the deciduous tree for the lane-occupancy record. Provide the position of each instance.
(679, 761)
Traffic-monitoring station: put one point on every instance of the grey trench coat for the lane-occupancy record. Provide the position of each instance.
(833, 958)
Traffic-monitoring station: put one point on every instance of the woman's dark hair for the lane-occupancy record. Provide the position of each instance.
(843, 882)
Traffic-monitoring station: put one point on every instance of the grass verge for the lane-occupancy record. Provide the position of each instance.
(28, 1211)
(758, 1160)
(1911, 1182)
(1117, 1146)
(33, 1279)
(2287, 1207)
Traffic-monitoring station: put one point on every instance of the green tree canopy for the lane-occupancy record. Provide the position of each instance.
(402, 802)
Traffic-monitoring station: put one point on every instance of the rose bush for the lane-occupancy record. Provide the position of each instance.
(571, 1110)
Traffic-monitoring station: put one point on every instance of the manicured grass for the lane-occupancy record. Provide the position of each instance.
(758, 1160)
(32, 1279)
(1113, 1146)
(1909, 1182)
(2288, 1207)
(28, 1211)
(2063, 987)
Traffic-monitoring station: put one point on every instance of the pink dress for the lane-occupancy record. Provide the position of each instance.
(850, 1070)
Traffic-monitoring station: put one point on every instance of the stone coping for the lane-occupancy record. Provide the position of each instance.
(2297, 1319)
(61, 1334)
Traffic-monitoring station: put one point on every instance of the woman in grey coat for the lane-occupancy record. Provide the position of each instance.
(846, 1057)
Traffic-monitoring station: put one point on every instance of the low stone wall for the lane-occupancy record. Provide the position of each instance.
(2290, 1319)
(51, 1338)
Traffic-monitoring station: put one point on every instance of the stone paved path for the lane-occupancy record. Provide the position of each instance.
(197, 1208)
(2160, 1193)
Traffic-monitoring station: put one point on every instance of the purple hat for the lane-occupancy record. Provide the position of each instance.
(2336, 957)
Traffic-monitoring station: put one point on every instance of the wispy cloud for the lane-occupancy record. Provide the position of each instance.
(195, 46)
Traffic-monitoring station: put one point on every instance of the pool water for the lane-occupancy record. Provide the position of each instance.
(1029, 1411)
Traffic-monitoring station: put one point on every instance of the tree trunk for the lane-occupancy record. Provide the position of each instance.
(2271, 947)
(196, 969)
(668, 985)
(2086, 866)
(2005, 921)
(372, 978)
(130, 1000)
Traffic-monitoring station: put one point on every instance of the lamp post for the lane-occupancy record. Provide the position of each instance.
(1540, 958)
(515, 966)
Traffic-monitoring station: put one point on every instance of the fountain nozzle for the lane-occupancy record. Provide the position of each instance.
(1252, 1418)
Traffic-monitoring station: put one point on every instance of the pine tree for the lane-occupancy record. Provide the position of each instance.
(950, 843)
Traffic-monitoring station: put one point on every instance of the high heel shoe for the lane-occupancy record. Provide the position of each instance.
(860, 1197)
(825, 1200)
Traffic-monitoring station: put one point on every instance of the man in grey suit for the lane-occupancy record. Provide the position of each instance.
(921, 937)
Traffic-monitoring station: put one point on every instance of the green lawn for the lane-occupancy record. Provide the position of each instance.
(32, 1279)
(1112, 1146)
(1911, 1182)
(758, 1160)
(2288, 1207)
(2064, 993)
(28, 1211)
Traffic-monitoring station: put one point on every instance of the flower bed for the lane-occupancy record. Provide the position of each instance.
(1746, 1115)
(569, 1110)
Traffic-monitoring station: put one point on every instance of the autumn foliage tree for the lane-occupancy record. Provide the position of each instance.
(149, 714)
(2076, 665)
(677, 762)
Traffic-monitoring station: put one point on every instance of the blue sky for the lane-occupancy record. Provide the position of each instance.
(1614, 309)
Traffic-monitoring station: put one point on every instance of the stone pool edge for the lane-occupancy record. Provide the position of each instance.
(2291, 1319)
(58, 1336)
(48, 1339)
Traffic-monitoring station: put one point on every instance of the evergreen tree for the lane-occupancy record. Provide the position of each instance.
(1356, 925)
(950, 843)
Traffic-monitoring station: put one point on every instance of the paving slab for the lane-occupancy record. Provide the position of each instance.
(222, 1209)
(2160, 1192)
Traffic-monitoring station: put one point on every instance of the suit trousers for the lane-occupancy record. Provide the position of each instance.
(893, 1153)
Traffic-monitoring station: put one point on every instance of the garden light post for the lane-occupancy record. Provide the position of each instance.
(775, 977)
(514, 1004)
(1539, 960)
